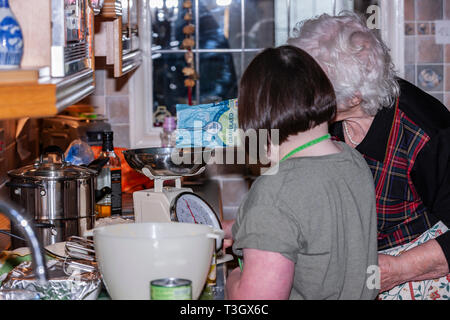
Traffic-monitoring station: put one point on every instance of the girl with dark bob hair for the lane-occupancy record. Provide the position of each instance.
(307, 228)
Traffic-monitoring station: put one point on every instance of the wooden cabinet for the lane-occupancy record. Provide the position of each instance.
(117, 37)
(62, 55)
(65, 67)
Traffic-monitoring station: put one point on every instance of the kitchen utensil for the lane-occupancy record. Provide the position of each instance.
(130, 256)
(71, 267)
(164, 204)
(189, 207)
(57, 195)
(168, 162)
(80, 248)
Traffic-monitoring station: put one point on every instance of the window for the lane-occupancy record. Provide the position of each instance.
(229, 34)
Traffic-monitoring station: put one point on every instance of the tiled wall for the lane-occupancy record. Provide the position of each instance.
(233, 186)
(111, 99)
(427, 64)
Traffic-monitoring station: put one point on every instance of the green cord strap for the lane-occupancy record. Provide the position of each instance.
(241, 264)
(306, 145)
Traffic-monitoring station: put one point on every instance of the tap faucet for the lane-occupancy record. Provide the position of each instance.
(16, 216)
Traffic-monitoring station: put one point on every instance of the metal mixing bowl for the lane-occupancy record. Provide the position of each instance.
(168, 161)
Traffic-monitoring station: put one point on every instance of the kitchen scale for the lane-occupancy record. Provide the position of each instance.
(166, 204)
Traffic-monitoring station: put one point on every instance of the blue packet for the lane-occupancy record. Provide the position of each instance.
(79, 153)
(207, 125)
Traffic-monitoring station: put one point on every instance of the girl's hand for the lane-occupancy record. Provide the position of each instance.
(226, 226)
(227, 243)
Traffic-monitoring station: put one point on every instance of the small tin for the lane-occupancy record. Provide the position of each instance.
(171, 289)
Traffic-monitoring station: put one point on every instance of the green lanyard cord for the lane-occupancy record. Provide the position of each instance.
(306, 145)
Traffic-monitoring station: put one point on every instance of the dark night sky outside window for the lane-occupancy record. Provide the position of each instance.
(228, 37)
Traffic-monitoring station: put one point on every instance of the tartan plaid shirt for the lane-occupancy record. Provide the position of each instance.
(402, 216)
(393, 149)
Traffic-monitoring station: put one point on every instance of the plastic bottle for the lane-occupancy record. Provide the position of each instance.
(110, 176)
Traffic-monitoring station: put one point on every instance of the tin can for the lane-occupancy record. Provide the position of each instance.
(171, 289)
(212, 275)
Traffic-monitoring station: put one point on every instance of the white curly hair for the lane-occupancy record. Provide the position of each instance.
(355, 59)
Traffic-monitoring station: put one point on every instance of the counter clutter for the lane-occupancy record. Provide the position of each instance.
(177, 236)
(72, 278)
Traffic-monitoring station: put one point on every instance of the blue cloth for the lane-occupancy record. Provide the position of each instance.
(207, 125)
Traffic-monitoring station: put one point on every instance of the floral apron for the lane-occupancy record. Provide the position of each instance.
(436, 289)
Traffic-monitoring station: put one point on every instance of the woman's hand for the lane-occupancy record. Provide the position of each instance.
(390, 273)
(424, 262)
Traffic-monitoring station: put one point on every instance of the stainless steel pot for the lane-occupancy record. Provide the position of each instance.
(60, 197)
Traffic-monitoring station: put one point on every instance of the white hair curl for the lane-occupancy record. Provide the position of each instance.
(355, 59)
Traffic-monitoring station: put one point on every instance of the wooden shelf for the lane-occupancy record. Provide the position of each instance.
(43, 87)
(46, 98)
(19, 76)
(18, 100)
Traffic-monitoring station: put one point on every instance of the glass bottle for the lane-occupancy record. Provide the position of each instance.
(110, 176)
(168, 136)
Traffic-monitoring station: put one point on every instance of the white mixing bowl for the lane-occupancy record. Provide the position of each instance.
(130, 256)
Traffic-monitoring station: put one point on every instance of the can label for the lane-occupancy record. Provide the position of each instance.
(171, 289)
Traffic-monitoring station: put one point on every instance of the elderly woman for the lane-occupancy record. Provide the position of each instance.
(404, 135)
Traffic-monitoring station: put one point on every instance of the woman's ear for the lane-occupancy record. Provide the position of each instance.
(347, 108)
(355, 101)
(349, 104)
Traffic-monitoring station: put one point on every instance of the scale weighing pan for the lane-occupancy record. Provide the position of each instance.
(168, 162)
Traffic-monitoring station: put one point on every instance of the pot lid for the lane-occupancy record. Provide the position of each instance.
(52, 171)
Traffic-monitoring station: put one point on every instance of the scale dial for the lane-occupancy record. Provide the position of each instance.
(190, 208)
